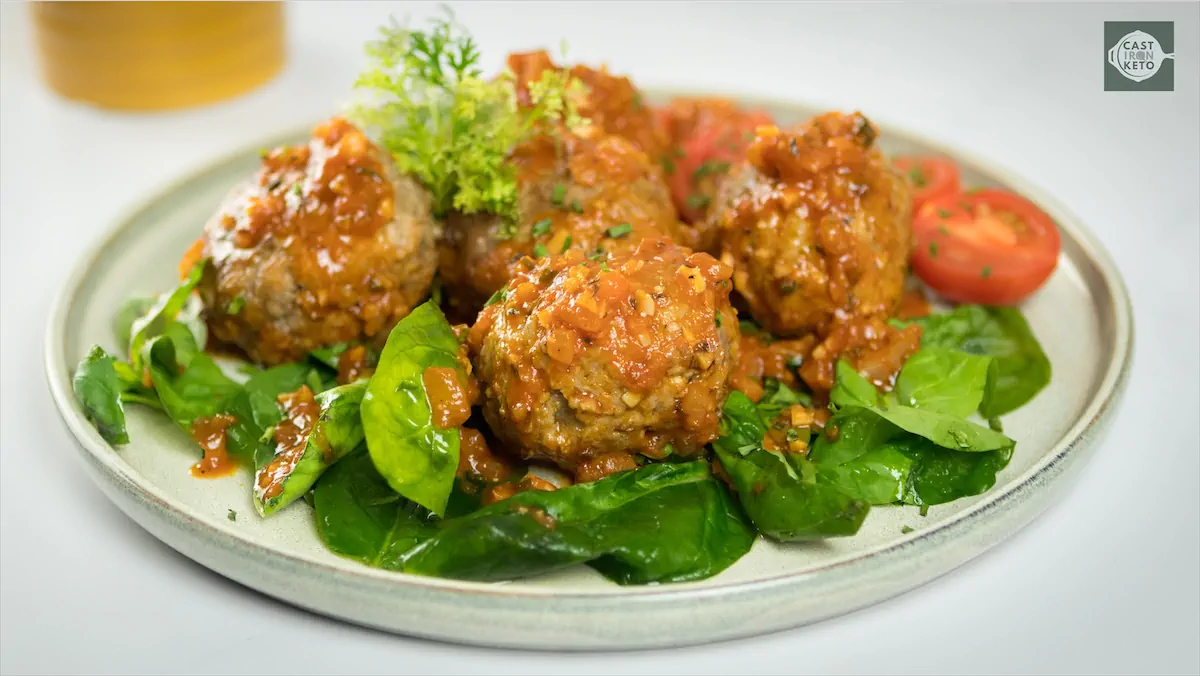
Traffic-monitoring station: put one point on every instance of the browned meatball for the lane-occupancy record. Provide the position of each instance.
(586, 191)
(326, 243)
(612, 102)
(816, 223)
(584, 363)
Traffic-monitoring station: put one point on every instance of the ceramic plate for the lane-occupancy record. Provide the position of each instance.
(1082, 318)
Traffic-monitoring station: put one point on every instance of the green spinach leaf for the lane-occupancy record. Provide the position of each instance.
(417, 458)
(1021, 366)
(99, 387)
(165, 311)
(189, 389)
(782, 493)
(943, 380)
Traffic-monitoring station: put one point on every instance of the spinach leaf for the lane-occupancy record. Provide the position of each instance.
(1021, 366)
(939, 475)
(945, 430)
(417, 458)
(686, 532)
(337, 431)
(943, 380)
(783, 494)
(659, 523)
(163, 313)
(776, 397)
(256, 410)
(359, 516)
(879, 475)
(130, 311)
(189, 389)
(328, 356)
(99, 387)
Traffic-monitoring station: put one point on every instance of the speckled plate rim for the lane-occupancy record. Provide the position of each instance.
(855, 581)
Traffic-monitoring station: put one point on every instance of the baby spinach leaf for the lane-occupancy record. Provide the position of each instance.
(417, 458)
(337, 431)
(99, 387)
(686, 532)
(659, 523)
(189, 389)
(164, 312)
(776, 397)
(943, 380)
(1021, 366)
(939, 475)
(130, 311)
(782, 493)
(359, 516)
(256, 410)
(878, 475)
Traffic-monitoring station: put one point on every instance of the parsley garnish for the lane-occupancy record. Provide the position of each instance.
(620, 230)
(933, 247)
(942, 213)
(916, 176)
(697, 201)
(235, 306)
(541, 227)
(576, 206)
(710, 167)
(567, 244)
(558, 195)
(442, 120)
(540, 251)
(498, 297)
(231, 515)
(986, 272)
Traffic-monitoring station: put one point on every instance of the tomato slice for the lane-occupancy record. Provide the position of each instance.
(705, 157)
(986, 246)
(931, 176)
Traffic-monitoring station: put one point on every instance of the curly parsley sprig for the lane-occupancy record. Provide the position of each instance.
(431, 108)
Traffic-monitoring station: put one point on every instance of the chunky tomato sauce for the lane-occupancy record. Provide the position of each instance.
(353, 364)
(210, 433)
(449, 400)
(300, 414)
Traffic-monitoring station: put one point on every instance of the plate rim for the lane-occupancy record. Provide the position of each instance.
(1098, 410)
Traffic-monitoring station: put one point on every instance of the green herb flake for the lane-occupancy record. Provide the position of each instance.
(620, 230)
(541, 227)
(604, 267)
(933, 249)
(942, 229)
(598, 255)
(709, 168)
(235, 306)
(498, 297)
(924, 510)
(698, 201)
(540, 250)
(558, 194)
(231, 515)
(297, 189)
(917, 176)
(942, 213)
(906, 529)
(668, 165)
(567, 244)
(576, 206)
(717, 319)
(986, 272)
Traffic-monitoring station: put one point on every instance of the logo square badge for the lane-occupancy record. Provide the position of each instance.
(1139, 56)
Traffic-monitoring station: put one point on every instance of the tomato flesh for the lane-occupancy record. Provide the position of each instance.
(705, 157)
(932, 177)
(988, 246)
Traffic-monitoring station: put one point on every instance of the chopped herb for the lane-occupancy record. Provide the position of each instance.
(916, 176)
(995, 424)
(717, 319)
(668, 166)
(698, 201)
(710, 167)
(924, 510)
(794, 361)
(275, 185)
(677, 152)
(541, 227)
(235, 306)
(942, 229)
(986, 272)
(933, 247)
(598, 254)
(566, 244)
(620, 230)
(906, 529)
(576, 206)
(267, 435)
(498, 297)
(604, 267)
(540, 250)
(793, 434)
(558, 194)
(231, 515)
(263, 152)
(942, 213)
(297, 190)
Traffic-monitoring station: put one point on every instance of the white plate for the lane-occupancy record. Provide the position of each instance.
(1082, 317)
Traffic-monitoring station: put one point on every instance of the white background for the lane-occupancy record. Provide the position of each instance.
(1108, 580)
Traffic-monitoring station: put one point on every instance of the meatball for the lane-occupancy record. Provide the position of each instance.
(585, 190)
(816, 224)
(612, 102)
(584, 363)
(326, 243)
(708, 137)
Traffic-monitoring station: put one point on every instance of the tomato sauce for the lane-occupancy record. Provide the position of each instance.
(210, 433)
(449, 400)
(300, 414)
(353, 365)
(599, 466)
(761, 358)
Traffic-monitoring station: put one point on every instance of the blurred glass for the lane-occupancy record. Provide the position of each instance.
(158, 55)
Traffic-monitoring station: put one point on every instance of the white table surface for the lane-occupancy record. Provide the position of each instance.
(1108, 580)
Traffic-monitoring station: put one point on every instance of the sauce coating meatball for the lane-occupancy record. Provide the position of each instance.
(612, 102)
(584, 363)
(326, 243)
(816, 224)
(586, 191)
